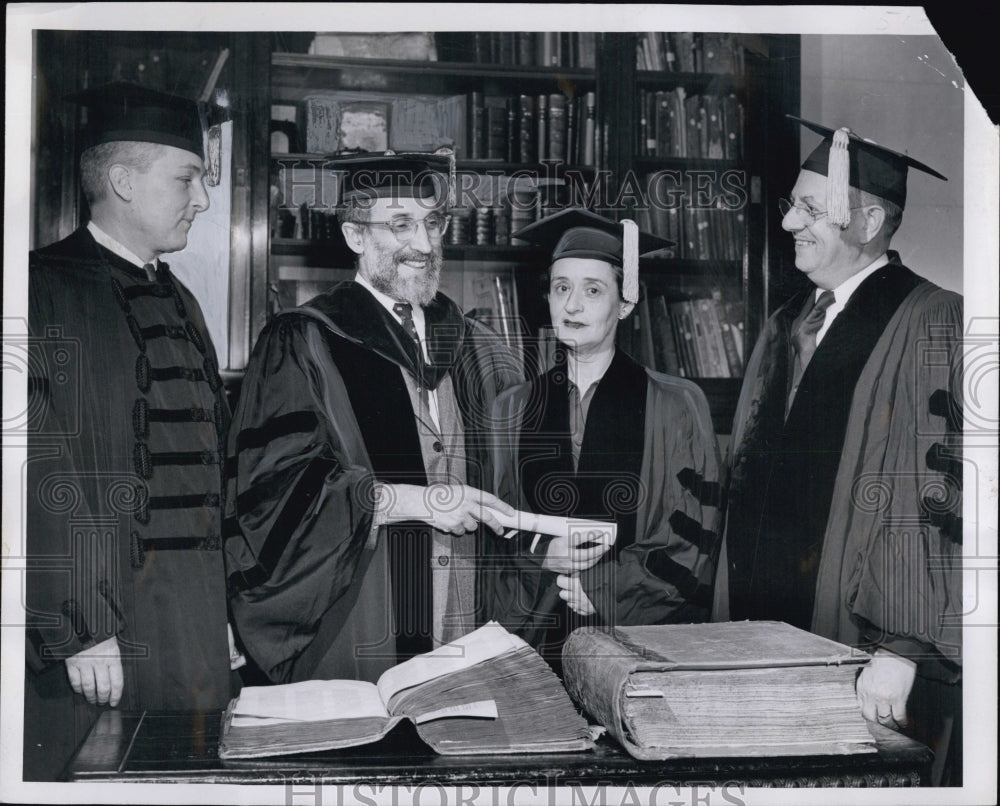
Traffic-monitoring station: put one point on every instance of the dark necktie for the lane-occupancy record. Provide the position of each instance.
(405, 312)
(150, 270)
(804, 340)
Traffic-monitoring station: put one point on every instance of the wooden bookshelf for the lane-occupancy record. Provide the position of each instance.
(268, 70)
(766, 84)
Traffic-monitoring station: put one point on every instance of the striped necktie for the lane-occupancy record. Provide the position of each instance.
(804, 340)
(405, 312)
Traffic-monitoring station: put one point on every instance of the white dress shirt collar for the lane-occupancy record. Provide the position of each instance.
(388, 302)
(843, 292)
(112, 245)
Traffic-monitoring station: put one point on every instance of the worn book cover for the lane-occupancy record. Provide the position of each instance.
(729, 689)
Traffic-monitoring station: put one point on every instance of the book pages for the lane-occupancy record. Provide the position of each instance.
(308, 701)
(487, 642)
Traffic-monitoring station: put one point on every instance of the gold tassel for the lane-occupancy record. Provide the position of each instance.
(838, 179)
(630, 260)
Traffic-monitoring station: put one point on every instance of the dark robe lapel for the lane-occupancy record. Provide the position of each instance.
(764, 419)
(544, 451)
(356, 314)
(848, 343)
(610, 456)
(607, 475)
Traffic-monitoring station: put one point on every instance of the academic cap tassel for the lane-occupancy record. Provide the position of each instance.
(838, 177)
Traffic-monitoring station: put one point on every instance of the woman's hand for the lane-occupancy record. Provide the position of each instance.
(571, 592)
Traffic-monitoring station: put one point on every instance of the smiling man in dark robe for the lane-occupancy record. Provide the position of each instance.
(358, 449)
(844, 512)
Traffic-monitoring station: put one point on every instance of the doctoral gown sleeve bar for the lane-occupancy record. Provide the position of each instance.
(896, 522)
(302, 494)
(665, 575)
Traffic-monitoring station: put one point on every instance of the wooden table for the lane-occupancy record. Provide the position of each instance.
(182, 748)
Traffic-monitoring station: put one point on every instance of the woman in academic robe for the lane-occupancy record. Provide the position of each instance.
(598, 436)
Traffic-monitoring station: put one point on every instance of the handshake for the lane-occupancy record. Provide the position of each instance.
(458, 509)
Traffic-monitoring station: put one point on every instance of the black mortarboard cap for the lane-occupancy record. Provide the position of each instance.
(126, 111)
(870, 167)
(576, 232)
(368, 175)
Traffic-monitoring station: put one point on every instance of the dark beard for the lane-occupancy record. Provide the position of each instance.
(417, 290)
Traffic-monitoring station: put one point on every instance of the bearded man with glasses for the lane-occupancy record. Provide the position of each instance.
(845, 500)
(358, 453)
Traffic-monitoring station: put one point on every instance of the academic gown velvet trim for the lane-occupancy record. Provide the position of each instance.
(676, 520)
(907, 446)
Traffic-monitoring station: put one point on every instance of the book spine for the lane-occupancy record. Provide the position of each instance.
(513, 151)
(507, 47)
(527, 149)
(703, 356)
(496, 121)
(550, 49)
(715, 138)
(703, 246)
(684, 333)
(728, 340)
(715, 350)
(588, 50)
(477, 126)
(666, 348)
(572, 155)
(663, 125)
(734, 315)
(556, 149)
(543, 123)
(589, 128)
(679, 122)
(525, 49)
(481, 47)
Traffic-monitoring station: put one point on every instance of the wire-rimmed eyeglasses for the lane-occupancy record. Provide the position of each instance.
(405, 228)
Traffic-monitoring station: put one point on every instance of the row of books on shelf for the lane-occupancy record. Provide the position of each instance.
(574, 49)
(520, 128)
(699, 233)
(688, 338)
(492, 225)
(714, 234)
(371, 121)
(689, 53)
(675, 124)
(533, 128)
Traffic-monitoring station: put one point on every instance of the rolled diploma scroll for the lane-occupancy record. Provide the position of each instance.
(577, 530)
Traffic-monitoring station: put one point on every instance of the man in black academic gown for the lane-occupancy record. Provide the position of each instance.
(358, 449)
(125, 584)
(844, 512)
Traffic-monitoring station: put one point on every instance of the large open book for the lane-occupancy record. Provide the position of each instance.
(748, 688)
(487, 692)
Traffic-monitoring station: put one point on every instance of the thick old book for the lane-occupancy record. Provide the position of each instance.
(487, 692)
(557, 127)
(496, 127)
(748, 688)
